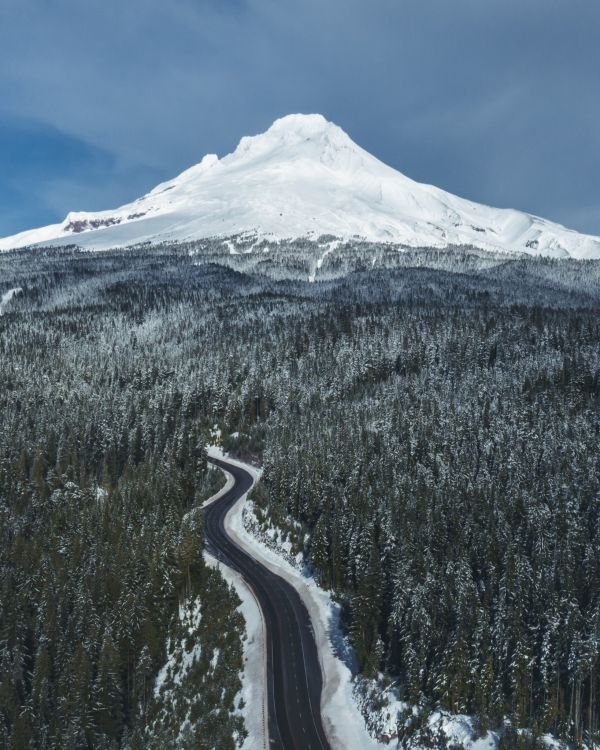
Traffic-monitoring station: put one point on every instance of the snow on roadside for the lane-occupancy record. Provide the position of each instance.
(254, 677)
(253, 693)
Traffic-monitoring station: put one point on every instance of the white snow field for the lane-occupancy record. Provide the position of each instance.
(305, 177)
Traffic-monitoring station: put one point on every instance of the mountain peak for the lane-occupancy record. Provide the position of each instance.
(304, 176)
(293, 136)
(306, 126)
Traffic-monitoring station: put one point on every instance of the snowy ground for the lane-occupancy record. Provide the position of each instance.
(179, 660)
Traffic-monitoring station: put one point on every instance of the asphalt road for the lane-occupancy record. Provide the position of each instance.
(293, 669)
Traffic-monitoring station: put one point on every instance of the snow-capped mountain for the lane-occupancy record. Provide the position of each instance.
(305, 177)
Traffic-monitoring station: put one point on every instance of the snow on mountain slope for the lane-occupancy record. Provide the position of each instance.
(305, 177)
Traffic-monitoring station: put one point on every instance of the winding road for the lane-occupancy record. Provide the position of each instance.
(293, 668)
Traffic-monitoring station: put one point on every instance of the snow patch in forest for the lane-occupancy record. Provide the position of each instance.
(179, 660)
(459, 730)
(7, 297)
(329, 249)
(101, 494)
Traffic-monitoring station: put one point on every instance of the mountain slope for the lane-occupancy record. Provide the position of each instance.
(305, 177)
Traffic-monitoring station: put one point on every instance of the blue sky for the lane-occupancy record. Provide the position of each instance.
(495, 100)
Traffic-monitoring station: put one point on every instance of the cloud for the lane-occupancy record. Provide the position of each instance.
(45, 171)
(496, 100)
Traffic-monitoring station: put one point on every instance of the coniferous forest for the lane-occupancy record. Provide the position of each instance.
(429, 429)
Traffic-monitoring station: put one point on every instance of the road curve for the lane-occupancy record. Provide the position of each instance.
(293, 669)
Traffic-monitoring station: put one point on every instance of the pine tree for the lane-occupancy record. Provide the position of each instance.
(108, 692)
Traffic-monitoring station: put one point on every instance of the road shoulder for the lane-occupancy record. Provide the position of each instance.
(254, 677)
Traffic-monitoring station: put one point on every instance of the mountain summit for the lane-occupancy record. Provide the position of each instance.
(305, 176)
